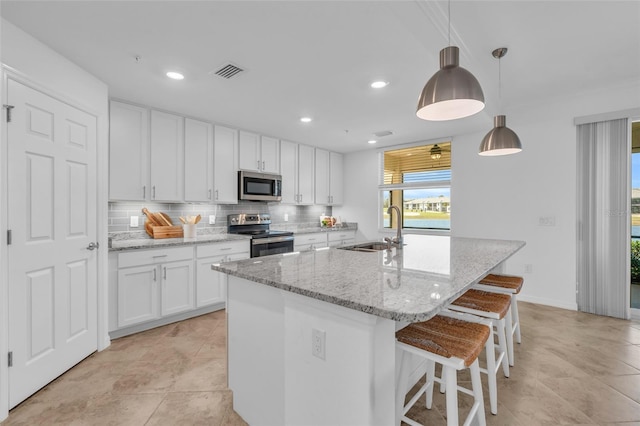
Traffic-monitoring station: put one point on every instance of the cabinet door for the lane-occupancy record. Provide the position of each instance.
(167, 157)
(209, 283)
(305, 175)
(289, 171)
(225, 172)
(128, 152)
(198, 161)
(138, 295)
(270, 155)
(322, 177)
(177, 287)
(249, 151)
(336, 190)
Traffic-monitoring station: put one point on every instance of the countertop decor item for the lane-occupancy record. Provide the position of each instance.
(159, 225)
(501, 140)
(452, 92)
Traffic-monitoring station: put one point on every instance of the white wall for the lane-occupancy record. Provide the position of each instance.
(504, 197)
(33, 63)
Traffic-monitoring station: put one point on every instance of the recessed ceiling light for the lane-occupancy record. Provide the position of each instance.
(175, 75)
(379, 84)
(306, 119)
(372, 141)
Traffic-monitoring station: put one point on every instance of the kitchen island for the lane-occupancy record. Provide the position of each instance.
(311, 334)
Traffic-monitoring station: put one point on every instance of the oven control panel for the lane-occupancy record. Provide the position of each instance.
(249, 219)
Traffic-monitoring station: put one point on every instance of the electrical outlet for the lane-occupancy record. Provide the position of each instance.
(133, 222)
(212, 219)
(528, 268)
(318, 340)
(547, 221)
(286, 217)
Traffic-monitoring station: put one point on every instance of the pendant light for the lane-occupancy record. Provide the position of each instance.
(501, 140)
(452, 92)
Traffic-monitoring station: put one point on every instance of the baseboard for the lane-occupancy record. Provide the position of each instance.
(548, 302)
(164, 321)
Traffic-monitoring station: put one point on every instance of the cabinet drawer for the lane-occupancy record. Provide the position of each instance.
(222, 249)
(145, 257)
(341, 235)
(317, 238)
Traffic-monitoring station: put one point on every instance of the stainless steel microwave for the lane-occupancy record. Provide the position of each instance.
(259, 186)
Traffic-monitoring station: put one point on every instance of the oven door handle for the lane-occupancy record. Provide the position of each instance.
(258, 241)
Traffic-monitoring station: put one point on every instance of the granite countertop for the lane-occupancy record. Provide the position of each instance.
(411, 284)
(137, 241)
(297, 230)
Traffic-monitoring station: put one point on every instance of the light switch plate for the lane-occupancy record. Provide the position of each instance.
(212, 219)
(286, 217)
(133, 222)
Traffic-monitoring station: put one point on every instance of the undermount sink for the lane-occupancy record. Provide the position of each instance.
(366, 247)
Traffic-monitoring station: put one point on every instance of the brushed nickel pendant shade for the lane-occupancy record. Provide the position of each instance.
(452, 92)
(501, 140)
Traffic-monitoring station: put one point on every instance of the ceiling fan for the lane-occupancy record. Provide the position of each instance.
(436, 151)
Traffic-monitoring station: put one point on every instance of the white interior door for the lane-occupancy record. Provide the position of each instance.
(52, 218)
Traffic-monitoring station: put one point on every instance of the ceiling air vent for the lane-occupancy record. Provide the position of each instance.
(228, 70)
(383, 133)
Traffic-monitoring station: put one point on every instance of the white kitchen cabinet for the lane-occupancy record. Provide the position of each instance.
(177, 287)
(138, 295)
(198, 161)
(328, 177)
(258, 153)
(154, 283)
(167, 157)
(128, 152)
(296, 168)
(211, 285)
(312, 241)
(305, 175)
(225, 173)
(340, 238)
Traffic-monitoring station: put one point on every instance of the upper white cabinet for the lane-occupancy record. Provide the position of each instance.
(167, 157)
(258, 153)
(328, 173)
(296, 168)
(198, 161)
(225, 157)
(305, 175)
(128, 152)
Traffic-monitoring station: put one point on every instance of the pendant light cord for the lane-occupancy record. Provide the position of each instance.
(449, 13)
(500, 84)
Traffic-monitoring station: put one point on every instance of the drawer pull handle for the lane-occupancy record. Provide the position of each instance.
(225, 248)
(160, 255)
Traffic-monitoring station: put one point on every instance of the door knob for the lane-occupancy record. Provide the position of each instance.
(93, 246)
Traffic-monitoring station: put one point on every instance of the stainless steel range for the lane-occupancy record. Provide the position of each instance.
(264, 241)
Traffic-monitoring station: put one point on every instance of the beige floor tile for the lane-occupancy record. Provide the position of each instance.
(628, 385)
(202, 374)
(595, 399)
(149, 377)
(192, 408)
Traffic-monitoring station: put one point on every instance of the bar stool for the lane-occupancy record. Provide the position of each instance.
(507, 284)
(453, 343)
(496, 308)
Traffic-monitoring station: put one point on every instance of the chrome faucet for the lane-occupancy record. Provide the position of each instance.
(397, 241)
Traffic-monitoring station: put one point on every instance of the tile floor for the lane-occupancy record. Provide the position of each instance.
(571, 369)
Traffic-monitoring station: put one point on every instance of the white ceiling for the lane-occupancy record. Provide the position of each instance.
(318, 58)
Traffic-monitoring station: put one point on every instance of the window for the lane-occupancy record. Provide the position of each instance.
(417, 180)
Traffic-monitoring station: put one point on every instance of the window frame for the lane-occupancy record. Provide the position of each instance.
(382, 188)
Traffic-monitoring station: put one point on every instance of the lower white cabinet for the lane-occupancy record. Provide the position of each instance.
(310, 241)
(152, 287)
(212, 285)
(339, 238)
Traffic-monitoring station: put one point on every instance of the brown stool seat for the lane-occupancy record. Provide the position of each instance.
(485, 301)
(447, 337)
(507, 282)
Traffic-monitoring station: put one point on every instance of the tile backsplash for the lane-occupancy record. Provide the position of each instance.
(120, 213)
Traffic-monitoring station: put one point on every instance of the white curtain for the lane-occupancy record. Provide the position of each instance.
(603, 203)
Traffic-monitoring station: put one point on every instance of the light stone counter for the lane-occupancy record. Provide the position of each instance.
(411, 284)
(142, 242)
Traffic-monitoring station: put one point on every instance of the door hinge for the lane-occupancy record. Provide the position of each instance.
(10, 359)
(8, 108)
(8, 237)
